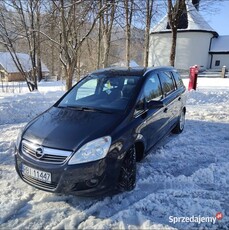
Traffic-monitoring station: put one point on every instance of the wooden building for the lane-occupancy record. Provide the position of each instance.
(10, 72)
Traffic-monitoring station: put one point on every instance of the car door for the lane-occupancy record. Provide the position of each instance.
(170, 100)
(150, 120)
(180, 89)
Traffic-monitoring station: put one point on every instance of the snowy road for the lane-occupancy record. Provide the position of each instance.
(187, 176)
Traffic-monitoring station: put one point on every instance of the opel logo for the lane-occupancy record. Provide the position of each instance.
(39, 153)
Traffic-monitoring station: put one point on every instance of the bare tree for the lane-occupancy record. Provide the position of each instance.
(108, 17)
(29, 26)
(73, 17)
(18, 24)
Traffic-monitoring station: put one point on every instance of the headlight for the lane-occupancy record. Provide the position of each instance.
(18, 141)
(92, 151)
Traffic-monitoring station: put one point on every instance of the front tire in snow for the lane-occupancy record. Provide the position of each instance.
(127, 177)
(180, 124)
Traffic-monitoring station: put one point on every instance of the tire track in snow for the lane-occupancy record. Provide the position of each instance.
(181, 177)
(13, 212)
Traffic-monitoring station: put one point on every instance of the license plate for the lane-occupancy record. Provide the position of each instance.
(36, 174)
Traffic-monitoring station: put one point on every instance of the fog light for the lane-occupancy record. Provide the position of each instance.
(75, 187)
(92, 182)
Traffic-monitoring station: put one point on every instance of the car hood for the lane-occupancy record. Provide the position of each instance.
(68, 129)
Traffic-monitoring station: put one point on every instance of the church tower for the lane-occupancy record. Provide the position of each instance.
(194, 37)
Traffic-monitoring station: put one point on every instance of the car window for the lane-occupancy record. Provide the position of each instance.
(178, 80)
(102, 92)
(112, 83)
(128, 86)
(87, 89)
(167, 82)
(151, 91)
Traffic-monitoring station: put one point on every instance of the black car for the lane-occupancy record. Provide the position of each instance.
(88, 142)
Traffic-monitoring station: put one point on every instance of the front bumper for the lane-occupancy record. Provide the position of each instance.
(93, 178)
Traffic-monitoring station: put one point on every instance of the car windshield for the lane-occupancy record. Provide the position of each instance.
(101, 92)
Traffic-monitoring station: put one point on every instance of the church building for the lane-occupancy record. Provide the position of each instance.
(197, 43)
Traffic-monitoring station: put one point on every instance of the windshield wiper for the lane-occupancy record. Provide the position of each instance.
(70, 107)
(82, 108)
(95, 110)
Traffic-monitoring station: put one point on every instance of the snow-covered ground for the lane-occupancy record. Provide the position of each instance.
(186, 176)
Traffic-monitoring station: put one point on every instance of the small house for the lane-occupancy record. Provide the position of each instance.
(10, 72)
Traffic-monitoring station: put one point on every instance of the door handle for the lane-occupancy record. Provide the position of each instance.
(165, 110)
(179, 98)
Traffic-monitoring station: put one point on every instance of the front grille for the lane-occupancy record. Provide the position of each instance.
(44, 154)
(38, 183)
(27, 150)
(55, 159)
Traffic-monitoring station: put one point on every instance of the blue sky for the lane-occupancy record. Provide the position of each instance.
(220, 19)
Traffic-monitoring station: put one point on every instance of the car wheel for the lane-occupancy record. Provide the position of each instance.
(180, 124)
(127, 178)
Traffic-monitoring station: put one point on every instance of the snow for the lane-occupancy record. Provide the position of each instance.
(8, 64)
(195, 22)
(185, 176)
(220, 44)
(195, 19)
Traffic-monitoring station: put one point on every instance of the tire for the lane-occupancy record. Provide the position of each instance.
(180, 124)
(127, 177)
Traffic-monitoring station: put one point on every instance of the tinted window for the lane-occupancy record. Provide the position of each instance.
(167, 82)
(178, 80)
(129, 85)
(152, 89)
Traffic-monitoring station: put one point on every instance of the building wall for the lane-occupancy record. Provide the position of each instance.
(223, 61)
(4, 76)
(192, 49)
(15, 77)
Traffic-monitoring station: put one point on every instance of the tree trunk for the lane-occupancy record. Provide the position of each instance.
(33, 48)
(69, 72)
(174, 14)
(149, 8)
(38, 43)
(146, 48)
(107, 25)
(173, 47)
(99, 37)
(106, 51)
(128, 45)
(128, 17)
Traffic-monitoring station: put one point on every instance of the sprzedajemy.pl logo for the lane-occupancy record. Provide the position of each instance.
(196, 219)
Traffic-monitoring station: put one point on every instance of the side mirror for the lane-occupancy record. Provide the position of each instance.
(155, 104)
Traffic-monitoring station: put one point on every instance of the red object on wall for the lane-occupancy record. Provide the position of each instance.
(193, 74)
